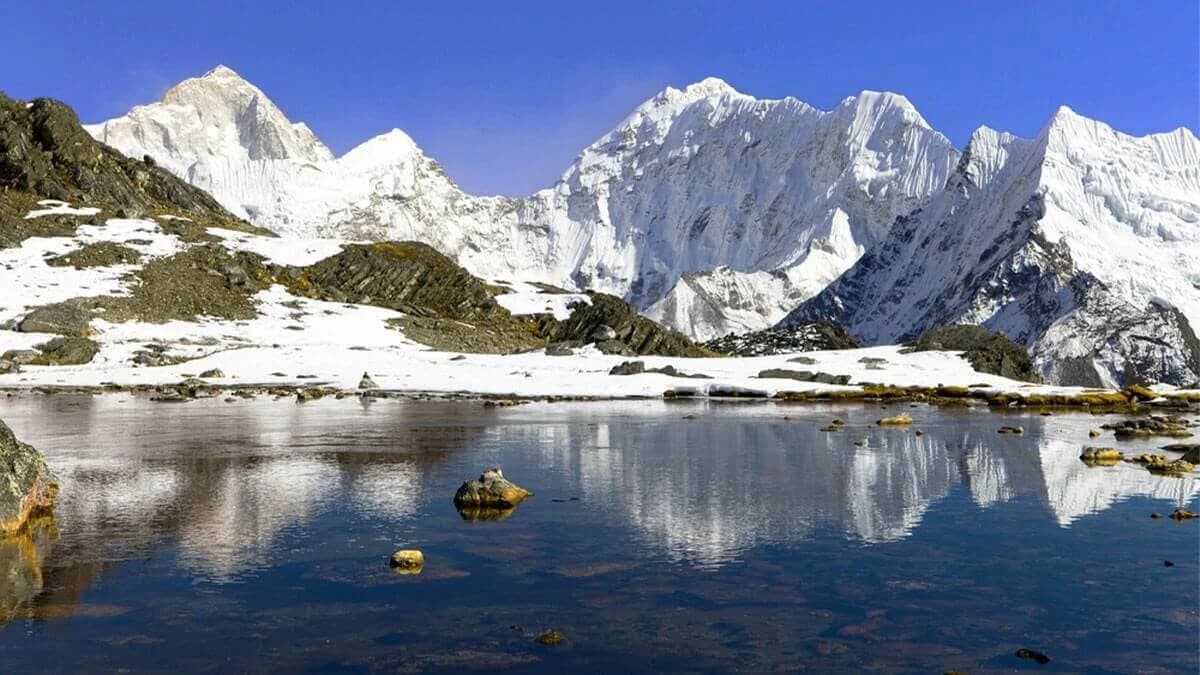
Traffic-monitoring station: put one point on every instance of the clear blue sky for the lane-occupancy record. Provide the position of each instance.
(505, 94)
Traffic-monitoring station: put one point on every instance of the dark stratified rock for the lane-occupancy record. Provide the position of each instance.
(631, 332)
(803, 376)
(26, 485)
(805, 337)
(66, 351)
(60, 319)
(628, 368)
(490, 491)
(987, 351)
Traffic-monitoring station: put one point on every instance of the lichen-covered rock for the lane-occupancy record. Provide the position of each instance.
(213, 373)
(895, 420)
(60, 319)
(490, 490)
(408, 561)
(1101, 454)
(66, 351)
(27, 486)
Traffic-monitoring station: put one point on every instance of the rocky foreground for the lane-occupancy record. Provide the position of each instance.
(27, 487)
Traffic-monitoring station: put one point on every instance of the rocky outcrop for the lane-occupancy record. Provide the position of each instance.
(804, 337)
(45, 153)
(987, 351)
(27, 487)
(633, 334)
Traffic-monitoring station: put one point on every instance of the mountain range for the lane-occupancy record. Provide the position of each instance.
(715, 212)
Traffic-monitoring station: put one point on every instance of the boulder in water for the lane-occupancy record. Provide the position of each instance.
(490, 491)
(27, 487)
(366, 382)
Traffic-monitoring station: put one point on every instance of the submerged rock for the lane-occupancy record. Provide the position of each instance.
(27, 487)
(1033, 654)
(408, 561)
(1182, 514)
(490, 491)
(895, 420)
(550, 638)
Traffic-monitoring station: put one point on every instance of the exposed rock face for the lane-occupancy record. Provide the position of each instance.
(45, 153)
(26, 485)
(987, 351)
(60, 319)
(638, 334)
(804, 337)
(490, 491)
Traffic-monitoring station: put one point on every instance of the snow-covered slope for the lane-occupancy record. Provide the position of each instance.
(1083, 243)
(693, 180)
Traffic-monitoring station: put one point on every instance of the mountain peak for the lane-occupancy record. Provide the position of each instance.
(221, 71)
(710, 86)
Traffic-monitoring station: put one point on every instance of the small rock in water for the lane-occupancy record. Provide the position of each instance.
(896, 420)
(550, 638)
(1156, 515)
(1033, 654)
(1168, 563)
(1182, 514)
(1101, 454)
(491, 490)
(408, 561)
(918, 432)
(1093, 433)
(366, 382)
(1011, 430)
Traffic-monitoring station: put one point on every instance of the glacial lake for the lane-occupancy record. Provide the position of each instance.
(255, 536)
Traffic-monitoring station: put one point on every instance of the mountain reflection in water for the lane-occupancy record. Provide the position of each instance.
(228, 486)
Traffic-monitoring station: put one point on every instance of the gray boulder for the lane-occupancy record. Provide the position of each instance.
(59, 319)
(66, 351)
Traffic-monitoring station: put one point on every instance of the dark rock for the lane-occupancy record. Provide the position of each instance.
(366, 382)
(628, 368)
(1035, 655)
(1182, 514)
(634, 332)
(559, 349)
(1154, 425)
(66, 351)
(804, 337)
(1191, 451)
(1011, 430)
(490, 490)
(803, 376)
(60, 319)
(987, 351)
(212, 373)
(27, 487)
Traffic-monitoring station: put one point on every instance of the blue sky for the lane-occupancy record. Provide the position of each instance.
(506, 94)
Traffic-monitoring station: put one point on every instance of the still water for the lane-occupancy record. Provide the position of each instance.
(255, 536)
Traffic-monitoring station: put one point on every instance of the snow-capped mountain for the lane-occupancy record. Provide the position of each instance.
(693, 180)
(1082, 243)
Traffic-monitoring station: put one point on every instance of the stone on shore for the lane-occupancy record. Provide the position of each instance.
(27, 487)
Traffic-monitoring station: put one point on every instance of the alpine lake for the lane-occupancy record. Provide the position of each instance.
(691, 536)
